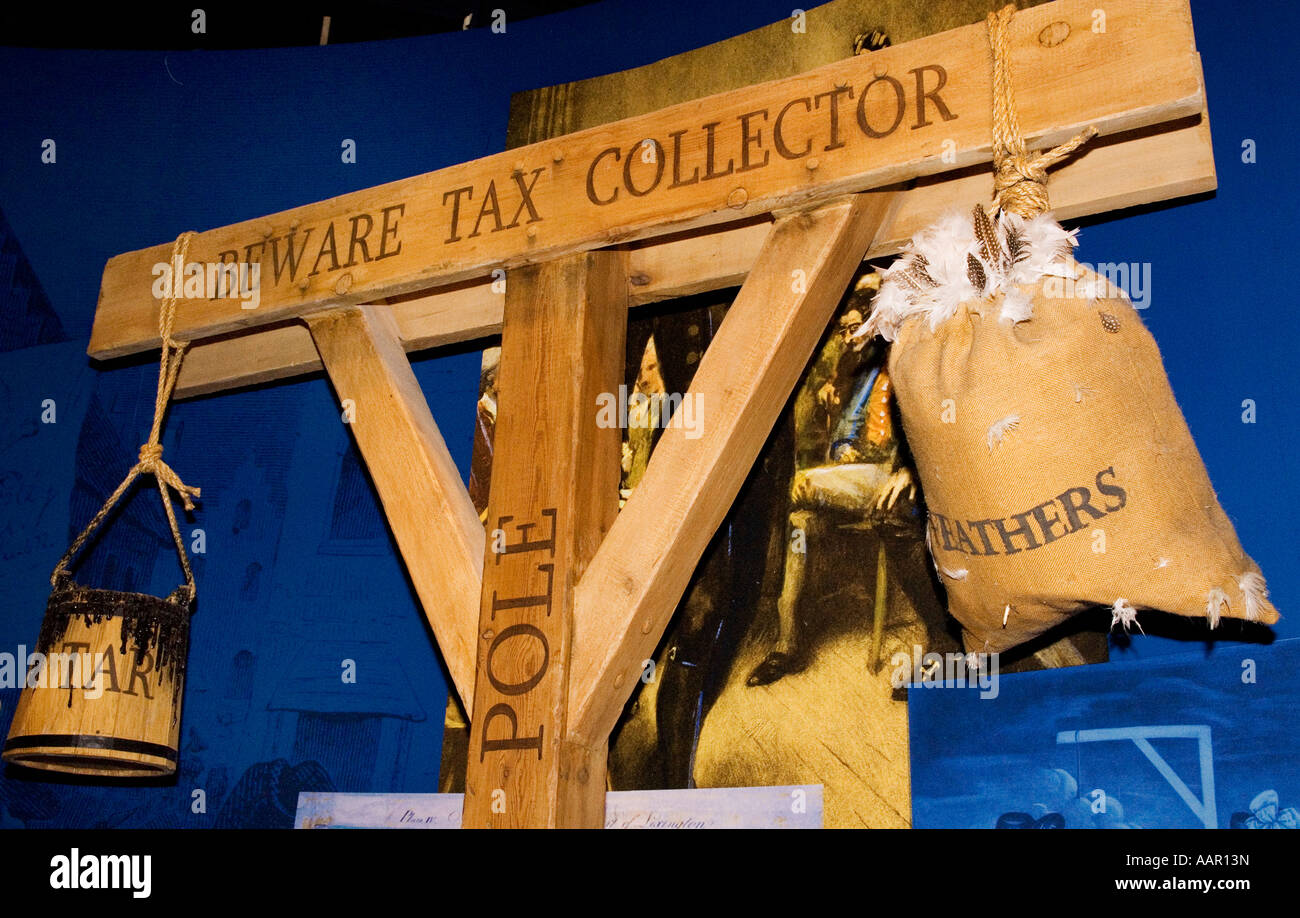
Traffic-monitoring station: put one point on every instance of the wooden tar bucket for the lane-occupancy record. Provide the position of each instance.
(103, 689)
(102, 693)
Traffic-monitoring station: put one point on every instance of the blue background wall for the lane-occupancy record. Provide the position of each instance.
(299, 571)
(976, 759)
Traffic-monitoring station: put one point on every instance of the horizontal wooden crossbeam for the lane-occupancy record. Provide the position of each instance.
(912, 110)
(1123, 170)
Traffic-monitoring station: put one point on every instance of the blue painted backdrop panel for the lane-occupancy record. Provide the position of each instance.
(975, 760)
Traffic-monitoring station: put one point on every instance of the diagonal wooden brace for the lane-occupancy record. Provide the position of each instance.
(627, 596)
(424, 498)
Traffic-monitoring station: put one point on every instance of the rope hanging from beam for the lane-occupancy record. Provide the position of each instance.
(1020, 177)
(150, 459)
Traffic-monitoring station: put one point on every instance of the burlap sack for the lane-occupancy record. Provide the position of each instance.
(1057, 468)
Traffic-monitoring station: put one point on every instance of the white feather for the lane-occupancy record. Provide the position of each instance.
(999, 429)
(1214, 606)
(1016, 306)
(1123, 613)
(1048, 243)
(1092, 288)
(929, 549)
(1252, 585)
(946, 247)
(1062, 269)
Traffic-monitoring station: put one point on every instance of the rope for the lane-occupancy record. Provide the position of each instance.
(150, 459)
(1020, 178)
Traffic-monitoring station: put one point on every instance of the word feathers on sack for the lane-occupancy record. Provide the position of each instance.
(1058, 470)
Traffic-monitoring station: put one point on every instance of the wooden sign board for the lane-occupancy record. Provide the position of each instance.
(1119, 171)
(865, 122)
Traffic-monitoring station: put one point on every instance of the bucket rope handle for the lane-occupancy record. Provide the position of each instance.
(150, 460)
(1020, 177)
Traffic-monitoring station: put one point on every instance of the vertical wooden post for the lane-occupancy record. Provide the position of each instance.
(554, 495)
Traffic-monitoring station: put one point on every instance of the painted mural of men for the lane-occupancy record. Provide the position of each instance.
(825, 386)
(1266, 812)
(480, 473)
(663, 355)
(642, 428)
(859, 475)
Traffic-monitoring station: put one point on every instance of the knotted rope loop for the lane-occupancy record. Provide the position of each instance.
(151, 462)
(1020, 177)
